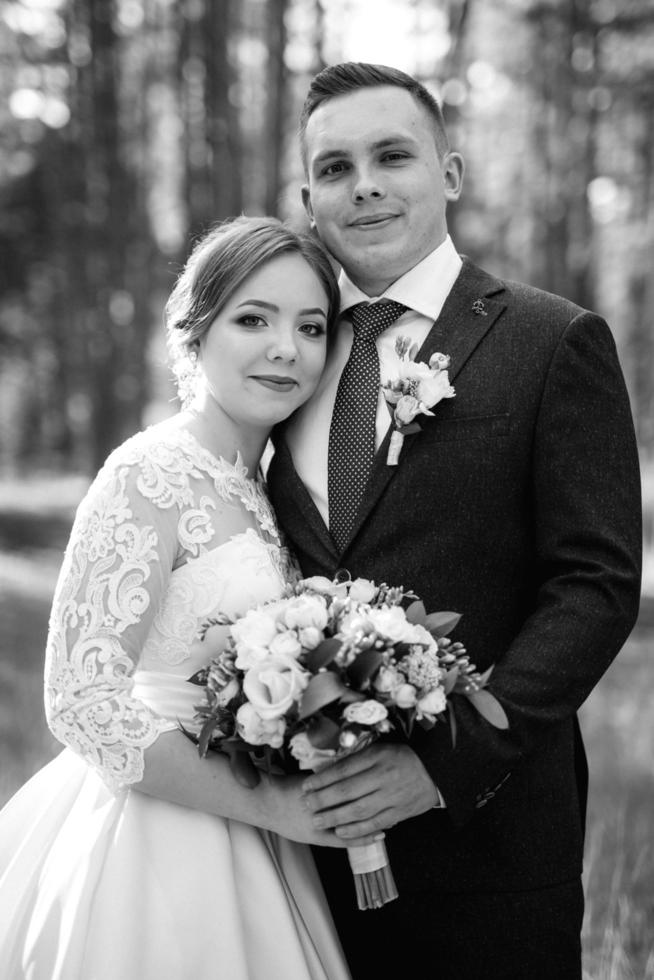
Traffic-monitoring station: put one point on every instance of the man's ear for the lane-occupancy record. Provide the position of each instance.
(306, 201)
(453, 170)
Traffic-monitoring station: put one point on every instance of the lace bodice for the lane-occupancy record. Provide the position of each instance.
(147, 562)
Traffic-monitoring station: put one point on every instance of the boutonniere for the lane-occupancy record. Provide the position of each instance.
(418, 387)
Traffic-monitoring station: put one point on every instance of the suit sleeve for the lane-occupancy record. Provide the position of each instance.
(586, 515)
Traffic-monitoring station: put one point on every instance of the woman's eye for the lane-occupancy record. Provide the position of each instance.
(251, 320)
(313, 329)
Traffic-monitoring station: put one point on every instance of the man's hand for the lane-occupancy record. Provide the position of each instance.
(370, 791)
(285, 813)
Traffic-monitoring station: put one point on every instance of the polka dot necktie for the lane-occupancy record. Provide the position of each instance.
(352, 430)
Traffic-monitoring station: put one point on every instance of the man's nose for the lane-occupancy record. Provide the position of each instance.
(367, 186)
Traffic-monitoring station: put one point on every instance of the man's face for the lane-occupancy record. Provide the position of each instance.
(377, 190)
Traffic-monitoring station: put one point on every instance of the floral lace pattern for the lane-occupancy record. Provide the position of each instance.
(150, 511)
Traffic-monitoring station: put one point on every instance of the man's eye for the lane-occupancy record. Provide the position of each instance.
(333, 169)
(395, 155)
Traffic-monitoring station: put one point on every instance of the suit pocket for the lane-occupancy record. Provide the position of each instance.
(469, 427)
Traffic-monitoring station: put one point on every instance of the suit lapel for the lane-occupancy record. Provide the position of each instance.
(457, 332)
(302, 500)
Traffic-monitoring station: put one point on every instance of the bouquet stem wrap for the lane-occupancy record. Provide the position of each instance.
(394, 448)
(373, 878)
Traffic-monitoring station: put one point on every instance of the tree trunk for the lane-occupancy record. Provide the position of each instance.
(276, 97)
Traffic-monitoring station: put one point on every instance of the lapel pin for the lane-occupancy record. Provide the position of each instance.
(479, 308)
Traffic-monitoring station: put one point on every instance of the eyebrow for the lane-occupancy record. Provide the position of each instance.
(275, 309)
(377, 145)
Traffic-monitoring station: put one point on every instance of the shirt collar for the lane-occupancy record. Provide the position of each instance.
(423, 288)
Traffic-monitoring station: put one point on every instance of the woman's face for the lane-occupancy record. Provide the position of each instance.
(263, 355)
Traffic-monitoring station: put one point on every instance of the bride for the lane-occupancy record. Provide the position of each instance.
(128, 857)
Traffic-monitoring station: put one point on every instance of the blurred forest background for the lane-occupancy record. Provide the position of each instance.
(127, 127)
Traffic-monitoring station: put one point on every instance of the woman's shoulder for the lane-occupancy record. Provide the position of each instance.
(156, 463)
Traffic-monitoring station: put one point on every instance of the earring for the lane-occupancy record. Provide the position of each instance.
(193, 357)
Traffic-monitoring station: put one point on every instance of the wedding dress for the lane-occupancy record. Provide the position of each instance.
(99, 881)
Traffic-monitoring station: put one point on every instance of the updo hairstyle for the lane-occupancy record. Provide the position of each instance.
(218, 265)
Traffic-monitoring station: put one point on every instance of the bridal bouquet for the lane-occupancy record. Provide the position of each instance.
(321, 673)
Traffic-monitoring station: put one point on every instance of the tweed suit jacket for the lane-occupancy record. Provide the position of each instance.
(518, 506)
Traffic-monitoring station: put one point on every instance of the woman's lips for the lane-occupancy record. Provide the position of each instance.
(275, 382)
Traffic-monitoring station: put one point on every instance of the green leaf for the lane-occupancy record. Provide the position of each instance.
(441, 623)
(410, 429)
(206, 734)
(198, 678)
(323, 654)
(363, 668)
(416, 613)
(349, 697)
(489, 708)
(452, 721)
(483, 678)
(322, 689)
(450, 680)
(323, 733)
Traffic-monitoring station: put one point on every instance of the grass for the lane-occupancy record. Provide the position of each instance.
(617, 721)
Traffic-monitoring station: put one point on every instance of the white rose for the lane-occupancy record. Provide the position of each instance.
(386, 680)
(274, 684)
(252, 635)
(319, 583)
(310, 637)
(418, 634)
(306, 610)
(362, 590)
(405, 696)
(308, 756)
(365, 712)
(432, 703)
(432, 389)
(406, 409)
(354, 624)
(286, 644)
(257, 730)
(391, 623)
(439, 361)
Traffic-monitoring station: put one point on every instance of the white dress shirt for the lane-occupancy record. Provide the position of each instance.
(423, 289)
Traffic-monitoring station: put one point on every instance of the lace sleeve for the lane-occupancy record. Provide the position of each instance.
(117, 565)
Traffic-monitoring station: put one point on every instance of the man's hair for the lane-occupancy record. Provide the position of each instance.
(351, 76)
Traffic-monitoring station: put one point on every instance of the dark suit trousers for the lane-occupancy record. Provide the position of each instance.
(531, 935)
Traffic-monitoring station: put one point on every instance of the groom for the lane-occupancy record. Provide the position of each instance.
(517, 505)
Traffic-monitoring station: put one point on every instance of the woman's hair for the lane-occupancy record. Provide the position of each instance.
(352, 76)
(218, 265)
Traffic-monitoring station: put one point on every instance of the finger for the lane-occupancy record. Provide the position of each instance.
(343, 769)
(341, 793)
(370, 829)
(360, 809)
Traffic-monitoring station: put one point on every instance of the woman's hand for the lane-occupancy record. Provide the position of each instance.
(287, 814)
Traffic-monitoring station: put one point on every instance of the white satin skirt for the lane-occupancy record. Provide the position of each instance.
(97, 886)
